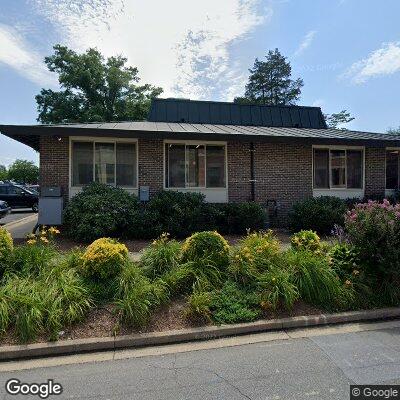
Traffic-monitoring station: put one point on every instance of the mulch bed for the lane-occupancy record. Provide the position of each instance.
(103, 322)
(65, 243)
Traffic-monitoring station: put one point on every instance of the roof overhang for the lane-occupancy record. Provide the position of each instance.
(30, 135)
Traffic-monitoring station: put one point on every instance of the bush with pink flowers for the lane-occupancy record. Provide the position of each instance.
(374, 229)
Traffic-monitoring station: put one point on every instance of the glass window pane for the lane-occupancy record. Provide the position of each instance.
(82, 163)
(196, 166)
(215, 166)
(354, 169)
(338, 168)
(392, 169)
(105, 163)
(321, 168)
(176, 165)
(126, 164)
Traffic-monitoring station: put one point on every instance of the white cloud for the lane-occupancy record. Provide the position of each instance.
(306, 43)
(182, 46)
(383, 61)
(16, 53)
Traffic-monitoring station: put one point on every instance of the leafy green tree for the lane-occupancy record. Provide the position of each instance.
(270, 82)
(3, 173)
(23, 171)
(394, 131)
(93, 89)
(339, 119)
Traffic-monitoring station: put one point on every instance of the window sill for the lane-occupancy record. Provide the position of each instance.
(213, 195)
(342, 193)
(73, 190)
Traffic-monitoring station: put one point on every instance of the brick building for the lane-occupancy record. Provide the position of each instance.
(229, 152)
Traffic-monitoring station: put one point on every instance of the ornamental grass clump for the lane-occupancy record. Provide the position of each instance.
(137, 296)
(306, 241)
(104, 259)
(254, 255)
(161, 256)
(43, 303)
(205, 257)
(316, 281)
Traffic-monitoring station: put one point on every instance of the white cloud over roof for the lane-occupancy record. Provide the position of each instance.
(182, 46)
(383, 61)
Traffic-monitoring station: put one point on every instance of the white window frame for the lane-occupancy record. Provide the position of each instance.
(340, 189)
(98, 139)
(196, 143)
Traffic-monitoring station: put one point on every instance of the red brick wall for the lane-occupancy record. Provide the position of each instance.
(283, 172)
(54, 163)
(151, 167)
(375, 171)
(239, 187)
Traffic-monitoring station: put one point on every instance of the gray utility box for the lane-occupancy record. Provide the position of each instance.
(144, 193)
(50, 206)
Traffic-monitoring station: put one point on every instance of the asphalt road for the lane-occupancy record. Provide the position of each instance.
(315, 367)
(20, 222)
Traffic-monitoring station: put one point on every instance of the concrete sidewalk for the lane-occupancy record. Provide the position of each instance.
(316, 364)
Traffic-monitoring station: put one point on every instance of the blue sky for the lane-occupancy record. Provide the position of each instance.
(347, 51)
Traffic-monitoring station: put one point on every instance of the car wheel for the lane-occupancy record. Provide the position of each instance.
(35, 207)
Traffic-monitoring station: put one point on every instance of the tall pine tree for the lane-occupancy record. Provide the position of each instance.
(270, 82)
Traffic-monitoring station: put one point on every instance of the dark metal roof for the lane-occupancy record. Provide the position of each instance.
(221, 113)
(29, 134)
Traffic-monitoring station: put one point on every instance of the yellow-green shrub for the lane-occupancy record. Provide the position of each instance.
(6, 247)
(254, 255)
(208, 245)
(104, 258)
(306, 240)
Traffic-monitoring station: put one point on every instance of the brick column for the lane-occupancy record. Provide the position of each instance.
(375, 159)
(54, 163)
(151, 164)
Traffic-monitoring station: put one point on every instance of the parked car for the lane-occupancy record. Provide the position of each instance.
(17, 196)
(5, 209)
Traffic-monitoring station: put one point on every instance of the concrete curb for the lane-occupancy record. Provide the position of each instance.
(185, 335)
(21, 221)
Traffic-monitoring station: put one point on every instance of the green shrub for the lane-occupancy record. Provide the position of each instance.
(161, 256)
(238, 218)
(177, 213)
(318, 214)
(254, 255)
(198, 308)
(374, 230)
(104, 258)
(315, 280)
(100, 211)
(306, 240)
(277, 288)
(6, 249)
(231, 305)
(210, 246)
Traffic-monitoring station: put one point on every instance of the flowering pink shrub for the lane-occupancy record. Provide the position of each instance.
(374, 228)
